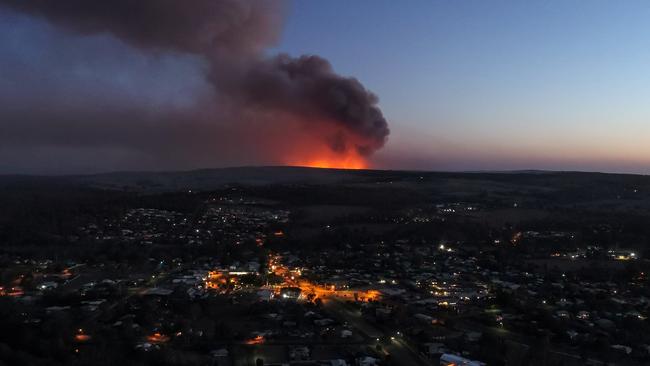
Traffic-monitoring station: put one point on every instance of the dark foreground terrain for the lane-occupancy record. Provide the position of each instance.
(273, 265)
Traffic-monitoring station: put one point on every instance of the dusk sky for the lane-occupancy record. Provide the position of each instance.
(462, 85)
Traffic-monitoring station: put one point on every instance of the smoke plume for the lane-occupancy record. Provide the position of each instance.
(276, 100)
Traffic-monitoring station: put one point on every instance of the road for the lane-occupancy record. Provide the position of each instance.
(334, 303)
(399, 349)
(500, 332)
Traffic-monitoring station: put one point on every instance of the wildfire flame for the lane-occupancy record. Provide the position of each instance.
(333, 161)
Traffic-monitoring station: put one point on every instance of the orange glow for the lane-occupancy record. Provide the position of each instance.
(15, 291)
(293, 278)
(349, 160)
(215, 280)
(256, 340)
(158, 338)
(333, 164)
(82, 337)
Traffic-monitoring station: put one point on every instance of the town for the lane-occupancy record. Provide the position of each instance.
(266, 275)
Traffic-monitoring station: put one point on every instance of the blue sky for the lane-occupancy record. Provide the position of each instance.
(494, 84)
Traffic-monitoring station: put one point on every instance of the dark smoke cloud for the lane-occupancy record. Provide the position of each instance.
(197, 26)
(269, 101)
(307, 86)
